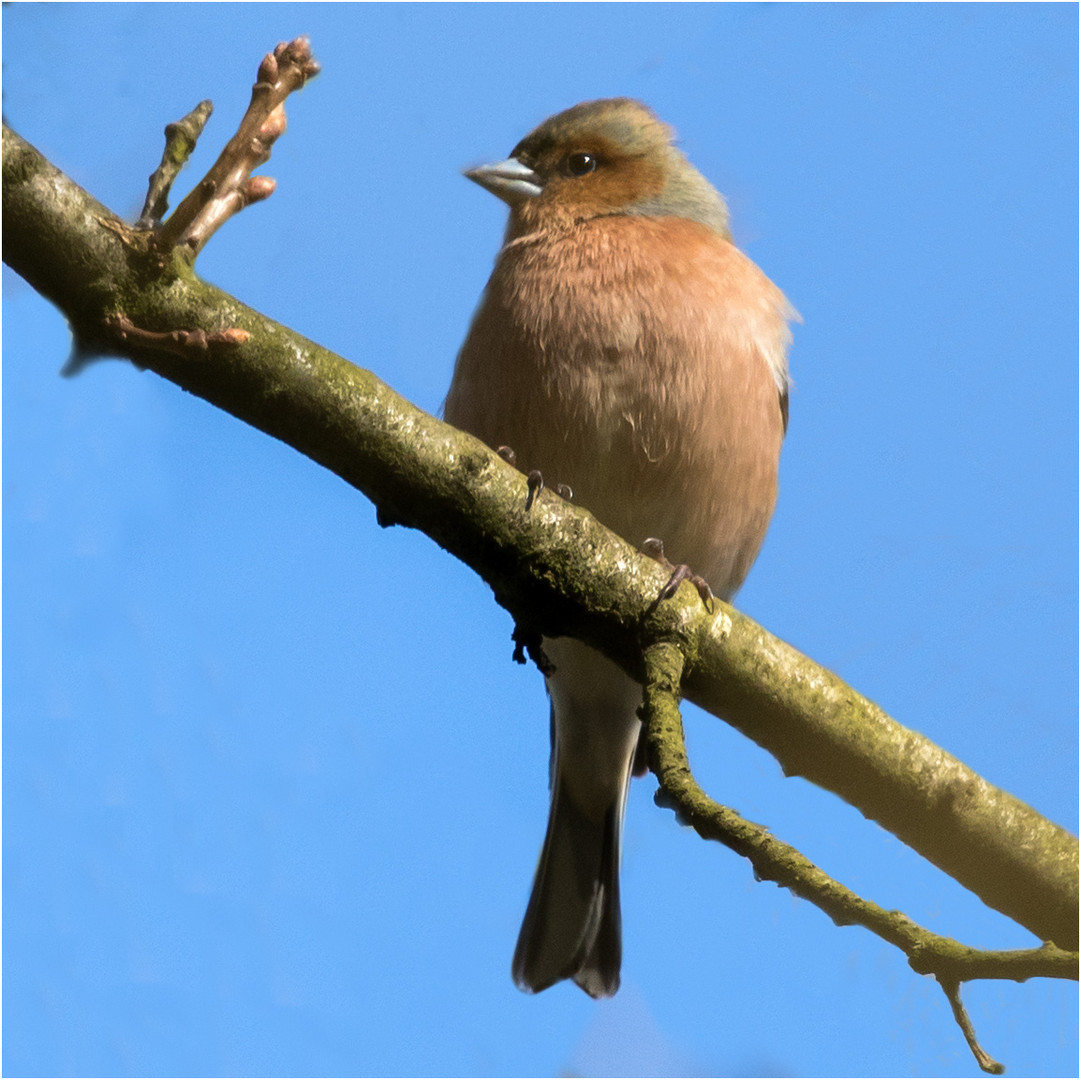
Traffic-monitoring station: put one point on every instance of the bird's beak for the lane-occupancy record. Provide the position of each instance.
(508, 180)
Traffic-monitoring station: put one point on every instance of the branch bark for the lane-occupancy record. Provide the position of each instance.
(773, 860)
(552, 566)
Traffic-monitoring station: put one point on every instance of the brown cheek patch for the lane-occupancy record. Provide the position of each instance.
(618, 183)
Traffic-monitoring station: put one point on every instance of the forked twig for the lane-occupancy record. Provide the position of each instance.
(773, 860)
(229, 186)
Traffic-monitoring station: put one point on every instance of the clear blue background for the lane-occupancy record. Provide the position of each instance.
(274, 790)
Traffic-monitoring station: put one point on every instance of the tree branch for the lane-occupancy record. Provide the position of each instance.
(553, 566)
(773, 860)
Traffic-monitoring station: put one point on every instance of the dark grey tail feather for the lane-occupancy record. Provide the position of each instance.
(598, 974)
(571, 928)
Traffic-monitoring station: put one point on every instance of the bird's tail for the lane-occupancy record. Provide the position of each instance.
(572, 924)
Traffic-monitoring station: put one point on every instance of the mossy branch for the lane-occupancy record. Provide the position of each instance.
(773, 860)
(133, 292)
(553, 566)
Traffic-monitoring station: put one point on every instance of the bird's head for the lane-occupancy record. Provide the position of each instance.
(598, 159)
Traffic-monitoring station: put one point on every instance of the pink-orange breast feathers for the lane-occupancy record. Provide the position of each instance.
(641, 360)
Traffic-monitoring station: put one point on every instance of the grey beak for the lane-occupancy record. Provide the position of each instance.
(508, 180)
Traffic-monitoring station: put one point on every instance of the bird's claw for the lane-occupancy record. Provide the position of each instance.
(683, 573)
(534, 479)
(654, 548)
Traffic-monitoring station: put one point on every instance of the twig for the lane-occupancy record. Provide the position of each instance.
(179, 342)
(180, 140)
(229, 186)
(952, 989)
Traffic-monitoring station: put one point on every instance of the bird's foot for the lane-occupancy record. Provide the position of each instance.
(654, 548)
(534, 479)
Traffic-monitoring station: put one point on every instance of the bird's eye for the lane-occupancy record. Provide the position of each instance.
(581, 164)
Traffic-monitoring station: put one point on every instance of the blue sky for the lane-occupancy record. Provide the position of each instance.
(273, 790)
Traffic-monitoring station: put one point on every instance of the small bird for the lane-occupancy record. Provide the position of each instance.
(625, 347)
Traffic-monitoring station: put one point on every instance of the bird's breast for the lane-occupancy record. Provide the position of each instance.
(636, 361)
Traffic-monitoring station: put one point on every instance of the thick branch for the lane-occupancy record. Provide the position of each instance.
(553, 566)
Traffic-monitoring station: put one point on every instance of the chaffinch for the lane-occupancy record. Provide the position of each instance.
(623, 346)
